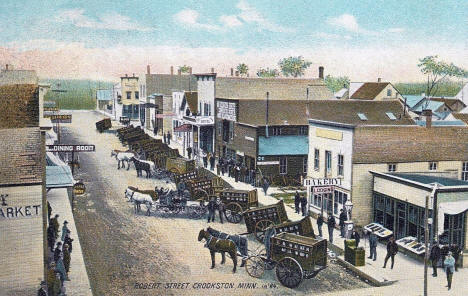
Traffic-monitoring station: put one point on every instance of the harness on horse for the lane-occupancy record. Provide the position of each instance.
(208, 242)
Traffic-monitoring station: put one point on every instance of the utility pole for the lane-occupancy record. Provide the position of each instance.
(426, 242)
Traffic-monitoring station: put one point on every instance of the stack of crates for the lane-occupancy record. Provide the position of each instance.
(353, 255)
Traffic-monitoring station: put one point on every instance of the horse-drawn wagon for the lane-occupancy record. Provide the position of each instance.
(294, 258)
(103, 125)
(179, 165)
(182, 178)
(238, 201)
(258, 219)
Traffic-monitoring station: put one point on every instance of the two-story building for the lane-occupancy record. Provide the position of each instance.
(349, 149)
(130, 96)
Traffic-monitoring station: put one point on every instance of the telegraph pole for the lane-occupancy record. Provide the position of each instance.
(426, 242)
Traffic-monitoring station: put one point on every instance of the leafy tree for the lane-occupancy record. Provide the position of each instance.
(266, 73)
(336, 83)
(243, 69)
(436, 72)
(184, 69)
(293, 66)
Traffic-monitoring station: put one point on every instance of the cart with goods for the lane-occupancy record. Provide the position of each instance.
(136, 138)
(103, 125)
(179, 165)
(257, 220)
(238, 201)
(294, 258)
(125, 120)
(182, 178)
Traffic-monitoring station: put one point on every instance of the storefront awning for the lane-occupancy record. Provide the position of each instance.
(450, 208)
(184, 128)
(58, 176)
(283, 145)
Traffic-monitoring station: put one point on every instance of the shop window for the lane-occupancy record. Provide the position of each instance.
(219, 127)
(316, 159)
(283, 166)
(392, 167)
(328, 162)
(340, 165)
(231, 130)
(432, 166)
(464, 175)
(129, 95)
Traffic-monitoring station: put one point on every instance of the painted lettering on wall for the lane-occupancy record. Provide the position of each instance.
(20, 211)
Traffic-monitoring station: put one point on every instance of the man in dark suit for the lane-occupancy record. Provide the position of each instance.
(331, 226)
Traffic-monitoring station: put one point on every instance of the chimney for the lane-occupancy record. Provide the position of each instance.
(6, 67)
(266, 113)
(237, 73)
(126, 75)
(321, 72)
(179, 72)
(428, 114)
(172, 70)
(190, 70)
(232, 71)
(133, 74)
(379, 80)
(212, 70)
(148, 71)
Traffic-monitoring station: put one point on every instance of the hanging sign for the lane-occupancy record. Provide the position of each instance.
(79, 188)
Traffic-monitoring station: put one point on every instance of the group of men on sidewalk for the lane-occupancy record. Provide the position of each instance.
(213, 205)
(59, 259)
(449, 263)
(300, 204)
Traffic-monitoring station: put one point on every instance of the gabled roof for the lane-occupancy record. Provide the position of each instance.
(412, 100)
(425, 104)
(279, 88)
(20, 105)
(461, 116)
(20, 156)
(397, 144)
(369, 90)
(450, 102)
(342, 92)
(289, 112)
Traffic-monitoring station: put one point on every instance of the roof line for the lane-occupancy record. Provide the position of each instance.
(332, 123)
(441, 188)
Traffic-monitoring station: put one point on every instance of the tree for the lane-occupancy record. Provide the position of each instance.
(436, 72)
(293, 66)
(243, 69)
(336, 83)
(184, 69)
(266, 73)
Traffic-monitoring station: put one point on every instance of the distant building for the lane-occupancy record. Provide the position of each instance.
(130, 96)
(377, 91)
(104, 101)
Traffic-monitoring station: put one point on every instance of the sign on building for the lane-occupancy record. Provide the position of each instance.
(322, 189)
(322, 182)
(226, 110)
(70, 148)
(79, 188)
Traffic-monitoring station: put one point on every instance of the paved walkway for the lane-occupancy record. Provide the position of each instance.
(79, 282)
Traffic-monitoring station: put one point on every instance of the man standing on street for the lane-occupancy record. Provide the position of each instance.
(319, 224)
(58, 251)
(211, 209)
(265, 185)
(297, 201)
(373, 246)
(66, 258)
(456, 254)
(435, 256)
(55, 225)
(342, 222)
(51, 237)
(164, 138)
(43, 289)
(355, 235)
(189, 152)
(65, 229)
(49, 211)
(449, 264)
(169, 138)
(212, 162)
(205, 158)
(221, 209)
(392, 250)
(304, 206)
(331, 226)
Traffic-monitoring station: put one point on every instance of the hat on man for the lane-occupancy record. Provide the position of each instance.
(65, 222)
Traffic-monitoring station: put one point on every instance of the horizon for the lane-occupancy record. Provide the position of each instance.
(363, 40)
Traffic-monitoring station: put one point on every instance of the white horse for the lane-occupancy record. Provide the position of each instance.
(122, 156)
(139, 198)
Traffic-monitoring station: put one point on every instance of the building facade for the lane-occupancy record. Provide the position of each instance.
(130, 96)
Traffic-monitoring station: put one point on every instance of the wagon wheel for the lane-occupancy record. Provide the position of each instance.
(255, 266)
(269, 264)
(260, 228)
(233, 212)
(200, 211)
(289, 272)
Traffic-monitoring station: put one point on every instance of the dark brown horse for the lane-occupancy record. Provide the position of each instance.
(222, 246)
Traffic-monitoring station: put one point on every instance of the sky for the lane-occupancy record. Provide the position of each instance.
(363, 40)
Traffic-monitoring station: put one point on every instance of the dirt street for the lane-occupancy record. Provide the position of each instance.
(122, 248)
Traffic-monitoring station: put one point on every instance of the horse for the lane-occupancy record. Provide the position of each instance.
(216, 245)
(138, 197)
(240, 242)
(143, 165)
(122, 156)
